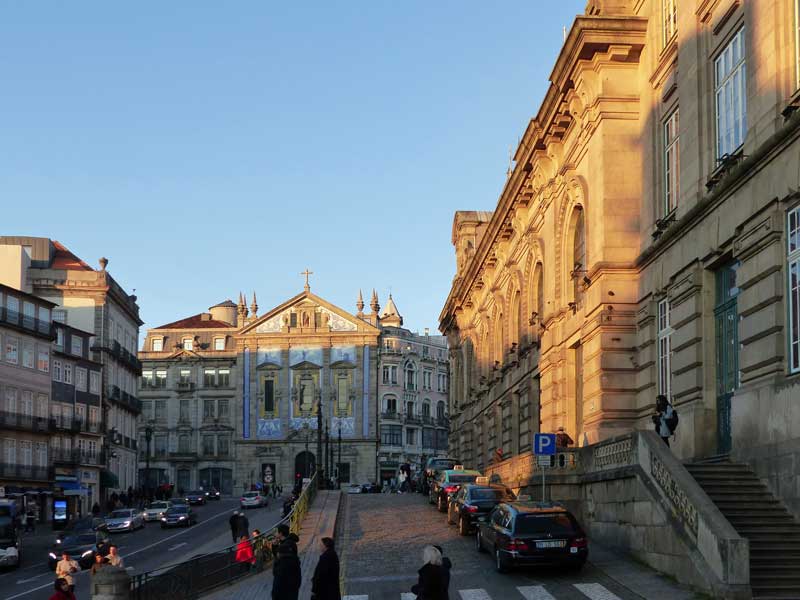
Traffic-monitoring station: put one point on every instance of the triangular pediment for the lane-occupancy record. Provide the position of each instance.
(343, 364)
(312, 315)
(305, 365)
(183, 354)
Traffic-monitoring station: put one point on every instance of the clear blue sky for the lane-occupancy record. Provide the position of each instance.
(210, 147)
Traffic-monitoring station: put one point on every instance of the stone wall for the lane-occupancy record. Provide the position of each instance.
(631, 493)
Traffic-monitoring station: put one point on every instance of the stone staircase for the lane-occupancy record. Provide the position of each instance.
(757, 515)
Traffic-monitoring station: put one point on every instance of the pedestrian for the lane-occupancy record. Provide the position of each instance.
(665, 419)
(562, 438)
(431, 584)
(401, 478)
(244, 553)
(65, 568)
(234, 523)
(95, 510)
(286, 576)
(258, 549)
(446, 565)
(114, 558)
(325, 582)
(243, 526)
(63, 591)
(99, 563)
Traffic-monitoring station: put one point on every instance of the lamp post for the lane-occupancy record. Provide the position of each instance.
(328, 454)
(306, 433)
(148, 436)
(320, 476)
(339, 465)
(111, 434)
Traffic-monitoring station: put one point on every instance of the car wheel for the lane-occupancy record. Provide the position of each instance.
(479, 542)
(500, 563)
(463, 528)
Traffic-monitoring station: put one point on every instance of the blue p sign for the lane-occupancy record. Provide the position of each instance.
(544, 443)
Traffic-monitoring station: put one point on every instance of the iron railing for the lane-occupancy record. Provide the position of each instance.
(190, 579)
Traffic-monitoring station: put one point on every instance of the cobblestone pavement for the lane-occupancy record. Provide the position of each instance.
(381, 538)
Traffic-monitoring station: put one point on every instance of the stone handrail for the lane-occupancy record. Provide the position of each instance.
(713, 543)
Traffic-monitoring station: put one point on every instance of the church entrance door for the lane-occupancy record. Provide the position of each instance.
(305, 463)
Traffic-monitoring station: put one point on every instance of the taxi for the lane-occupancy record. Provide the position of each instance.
(447, 482)
(475, 500)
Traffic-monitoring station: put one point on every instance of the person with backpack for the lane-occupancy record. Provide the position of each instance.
(665, 419)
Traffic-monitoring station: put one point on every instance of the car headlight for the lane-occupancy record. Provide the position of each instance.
(182, 518)
(126, 524)
(87, 553)
(58, 541)
(163, 518)
(53, 556)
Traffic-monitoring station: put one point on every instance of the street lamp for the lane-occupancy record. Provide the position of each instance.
(320, 476)
(305, 435)
(148, 436)
(339, 465)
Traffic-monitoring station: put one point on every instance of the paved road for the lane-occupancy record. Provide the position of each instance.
(146, 549)
(381, 538)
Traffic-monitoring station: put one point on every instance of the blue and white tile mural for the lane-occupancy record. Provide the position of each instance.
(269, 429)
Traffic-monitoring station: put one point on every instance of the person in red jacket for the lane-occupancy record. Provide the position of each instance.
(244, 552)
(62, 590)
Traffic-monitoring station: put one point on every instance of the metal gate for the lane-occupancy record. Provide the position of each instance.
(726, 326)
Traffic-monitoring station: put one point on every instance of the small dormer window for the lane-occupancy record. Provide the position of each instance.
(219, 343)
(188, 343)
(158, 344)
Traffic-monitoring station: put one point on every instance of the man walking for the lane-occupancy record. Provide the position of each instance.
(286, 568)
(243, 526)
(325, 583)
(234, 524)
(114, 558)
(65, 568)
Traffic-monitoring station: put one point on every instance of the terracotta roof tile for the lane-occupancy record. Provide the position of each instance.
(196, 322)
(64, 259)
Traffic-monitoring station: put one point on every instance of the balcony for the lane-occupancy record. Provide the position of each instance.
(390, 416)
(65, 424)
(186, 386)
(442, 422)
(75, 457)
(129, 401)
(183, 455)
(412, 419)
(27, 324)
(22, 422)
(27, 472)
(427, 420)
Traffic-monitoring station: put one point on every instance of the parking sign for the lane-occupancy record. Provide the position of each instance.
(544, 444)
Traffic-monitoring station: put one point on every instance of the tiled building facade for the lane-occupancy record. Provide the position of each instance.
(26, 336)
(645, 242)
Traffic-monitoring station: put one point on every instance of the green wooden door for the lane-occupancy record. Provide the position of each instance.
(726, 326)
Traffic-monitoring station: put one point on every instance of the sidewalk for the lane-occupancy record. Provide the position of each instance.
(319, 522)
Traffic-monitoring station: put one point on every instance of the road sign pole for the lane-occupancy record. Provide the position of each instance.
(543, 472)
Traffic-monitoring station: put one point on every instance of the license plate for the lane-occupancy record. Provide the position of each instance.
(552, 544)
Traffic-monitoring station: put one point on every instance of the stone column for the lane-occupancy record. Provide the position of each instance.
(111, 583)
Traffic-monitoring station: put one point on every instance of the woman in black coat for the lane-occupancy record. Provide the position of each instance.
(432, 583)
(286, 578)
(325, 584)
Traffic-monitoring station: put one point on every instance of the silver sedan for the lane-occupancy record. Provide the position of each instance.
(125, 519)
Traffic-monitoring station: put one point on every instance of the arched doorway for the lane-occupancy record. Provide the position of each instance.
(304, 463)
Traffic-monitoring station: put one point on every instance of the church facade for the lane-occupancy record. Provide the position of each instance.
(281, 368)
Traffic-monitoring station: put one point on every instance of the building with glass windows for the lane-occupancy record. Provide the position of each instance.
(647, 241)
(412, 395)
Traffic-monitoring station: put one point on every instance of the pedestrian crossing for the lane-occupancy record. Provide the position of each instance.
(593, 591)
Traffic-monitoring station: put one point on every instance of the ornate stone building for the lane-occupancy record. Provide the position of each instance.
(412, 394)
(644, 243)
(279, 368)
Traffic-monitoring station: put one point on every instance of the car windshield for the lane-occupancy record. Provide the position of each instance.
(556, 524)
(443, 464)
(251, 494)
(121, 514)
(462, 478)
(175, 510)
(79, 540)
(157, 505)
(195, 494)
(491, 494)
(6, 528)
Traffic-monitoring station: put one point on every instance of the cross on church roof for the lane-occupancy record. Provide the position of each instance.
(307, 273)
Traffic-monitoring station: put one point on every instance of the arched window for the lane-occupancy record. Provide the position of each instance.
(538, 277)
(426, 408)
(578, 259)
(440, 409)
(498, 339)
(390, 404)
(514, 326)
(411, 376)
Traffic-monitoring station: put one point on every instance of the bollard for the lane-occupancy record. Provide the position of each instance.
(111, 583)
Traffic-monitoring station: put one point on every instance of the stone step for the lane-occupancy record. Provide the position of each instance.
(752, 521)
(767, 556)
(712, 477)
(725, 484)
(732, 503)
(700, 466)
(737, 494)
(777, 511)
(763, 569)
(760, 547)
(768, 579)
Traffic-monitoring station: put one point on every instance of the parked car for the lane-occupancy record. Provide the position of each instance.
(528, 533)
(448, 482)
(81, 546)
(197, 497)
(370, 488)
(252, 500)
(155, 510)
(433, 467)
(179, 516)
(84, 524)
(213, 494)
(475, 500)
(125, 519)
(354, 488)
